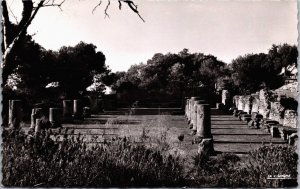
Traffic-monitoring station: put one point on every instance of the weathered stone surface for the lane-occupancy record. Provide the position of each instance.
(290, 118)
(255, 103)
(264, 103)
(195, 114)
(277, 112)
(203, 121)
(206, 147)
(241, 104)
(15, 113)
(247, 101)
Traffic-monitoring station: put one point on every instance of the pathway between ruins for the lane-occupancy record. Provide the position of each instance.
(230, 134)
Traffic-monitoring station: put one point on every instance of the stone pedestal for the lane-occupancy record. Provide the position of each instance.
(67, 110)
(15, 113)
(55, 117)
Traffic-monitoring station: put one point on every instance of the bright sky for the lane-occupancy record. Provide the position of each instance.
(225, 29)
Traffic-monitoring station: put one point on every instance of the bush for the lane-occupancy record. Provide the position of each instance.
(272, 160)
(228, 170)
(69, 162)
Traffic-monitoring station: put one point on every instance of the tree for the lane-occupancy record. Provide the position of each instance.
(13, 33)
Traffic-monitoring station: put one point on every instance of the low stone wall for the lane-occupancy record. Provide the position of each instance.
(268, 105)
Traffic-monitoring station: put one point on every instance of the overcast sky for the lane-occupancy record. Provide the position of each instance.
(225, 29)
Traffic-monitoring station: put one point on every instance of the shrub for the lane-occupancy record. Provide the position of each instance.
(41, 160)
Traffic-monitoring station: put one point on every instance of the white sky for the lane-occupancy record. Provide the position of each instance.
(225, 29)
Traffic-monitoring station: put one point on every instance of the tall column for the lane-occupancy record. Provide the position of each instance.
(195, 113)
(15, 113)
(203, 121)
(204, 137)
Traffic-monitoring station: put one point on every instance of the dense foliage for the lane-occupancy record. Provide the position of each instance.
(54, 160)
(251, 72)
(171, 74)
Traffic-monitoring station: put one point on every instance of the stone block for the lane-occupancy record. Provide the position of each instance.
(276, 112)
(206, 147)
(290, 118)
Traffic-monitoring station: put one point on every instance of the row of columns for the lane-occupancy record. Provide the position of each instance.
(198, 115)
(71, 109)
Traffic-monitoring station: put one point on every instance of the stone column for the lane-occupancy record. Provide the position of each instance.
(204, 137)
(67, 110)
(55, 117)
(192, 111)
(186, 111)
(226, 98)
(15, 113)
(195, 114)
(77, 109)
(203, 121)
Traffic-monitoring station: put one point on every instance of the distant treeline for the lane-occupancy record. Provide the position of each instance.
(35, 73)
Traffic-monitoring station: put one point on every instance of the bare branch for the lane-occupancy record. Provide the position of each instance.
(106, 8)
(120, 5)
(133, 7)
(12, 13)
(53, 4)
(100, 2)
